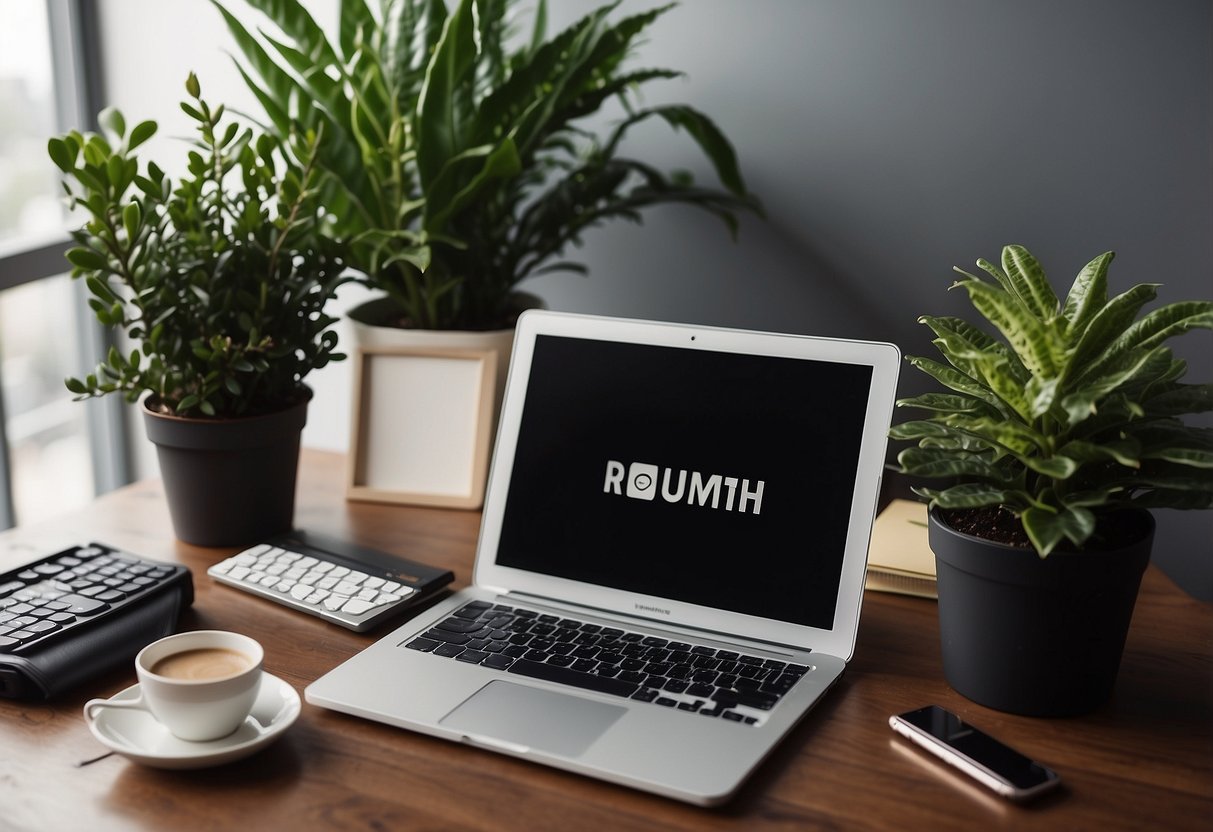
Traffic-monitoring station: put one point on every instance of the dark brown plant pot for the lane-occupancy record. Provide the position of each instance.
(229, 482)
(1032, 636)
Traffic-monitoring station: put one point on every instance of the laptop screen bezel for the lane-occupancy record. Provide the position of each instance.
(884, 360)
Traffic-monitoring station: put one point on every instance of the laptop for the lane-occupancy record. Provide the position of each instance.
(671, 557)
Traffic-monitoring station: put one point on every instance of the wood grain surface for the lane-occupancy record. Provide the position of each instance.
(1145, 761)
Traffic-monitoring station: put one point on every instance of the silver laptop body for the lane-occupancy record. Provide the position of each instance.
(688, 484)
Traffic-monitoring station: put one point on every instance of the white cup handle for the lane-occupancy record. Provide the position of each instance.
(90, 705)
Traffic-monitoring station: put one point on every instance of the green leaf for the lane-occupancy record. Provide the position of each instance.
(1031, 286)
(1055, 467)
(1126, 452)
(142, 131)
(958, 381)
(501, 163)
(1194, 457)
(192, 87)
(945, 403)
(711, 140)
(131, 217)
(1185, 398)
(87, 259)
(99, 289)
(62, 154)
(111, 119)
(1158, 326)
(445, 108)
(1110, 322)
(1028, 335)
(969, 495)
(1088, 294)
(918, 429)
(929, 462)
(1046, 529)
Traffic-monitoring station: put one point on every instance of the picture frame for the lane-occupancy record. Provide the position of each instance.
(421, 426)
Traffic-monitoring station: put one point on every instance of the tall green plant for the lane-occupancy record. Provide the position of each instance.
(1074, 412)
(221, 279)
(455, 156)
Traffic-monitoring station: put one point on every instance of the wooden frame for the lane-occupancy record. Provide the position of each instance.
(421, 426)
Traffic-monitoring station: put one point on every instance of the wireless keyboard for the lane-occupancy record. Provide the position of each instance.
(343, 583)
(69, 616)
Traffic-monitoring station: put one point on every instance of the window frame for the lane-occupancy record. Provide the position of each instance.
(76, 58)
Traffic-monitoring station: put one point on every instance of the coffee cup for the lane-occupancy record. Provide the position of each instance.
(200, 685)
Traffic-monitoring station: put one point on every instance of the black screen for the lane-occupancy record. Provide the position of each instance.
(765, 451)
(1022, 772)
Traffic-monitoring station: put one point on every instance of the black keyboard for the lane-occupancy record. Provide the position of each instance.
(727, 684)
(75, 613)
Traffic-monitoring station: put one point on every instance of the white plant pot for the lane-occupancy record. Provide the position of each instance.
(369, 334)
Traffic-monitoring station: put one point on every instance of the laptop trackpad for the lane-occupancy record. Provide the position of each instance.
(533, 718)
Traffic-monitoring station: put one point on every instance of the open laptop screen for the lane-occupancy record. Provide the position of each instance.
(712, 478)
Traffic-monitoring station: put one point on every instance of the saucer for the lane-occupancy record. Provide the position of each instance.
(136, 735)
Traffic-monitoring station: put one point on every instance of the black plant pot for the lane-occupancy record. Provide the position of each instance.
(1032, 636)
(229, 482)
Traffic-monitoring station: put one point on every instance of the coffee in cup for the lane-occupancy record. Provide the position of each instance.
(202, 663)
(200, 685)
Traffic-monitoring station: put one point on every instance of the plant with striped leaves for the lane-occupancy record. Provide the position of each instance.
(1066, 411)
(457, 157)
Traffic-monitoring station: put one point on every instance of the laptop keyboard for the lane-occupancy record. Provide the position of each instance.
(675, 674)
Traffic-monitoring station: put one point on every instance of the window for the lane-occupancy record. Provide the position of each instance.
(54, 453)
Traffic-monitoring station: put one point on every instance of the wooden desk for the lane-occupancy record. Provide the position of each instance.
(1143, 762)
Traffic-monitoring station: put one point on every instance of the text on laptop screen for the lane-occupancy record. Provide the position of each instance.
(711, 478)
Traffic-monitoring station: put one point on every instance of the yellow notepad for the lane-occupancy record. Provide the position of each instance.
(899, 556)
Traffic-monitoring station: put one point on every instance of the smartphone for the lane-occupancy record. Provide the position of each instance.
(977, 754)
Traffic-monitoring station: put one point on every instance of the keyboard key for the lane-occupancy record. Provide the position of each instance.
(473, 656)
(357, 606)
(422, 643)
(459, 625)
(750, 698)
(78, 605)
(646, 694)
(666, 701)
(567, 676)
(448, 650)
(498, 661)
(449, 638)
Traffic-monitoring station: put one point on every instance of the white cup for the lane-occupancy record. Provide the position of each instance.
(194, 704)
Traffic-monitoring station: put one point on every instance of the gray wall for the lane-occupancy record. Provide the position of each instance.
(892, 139)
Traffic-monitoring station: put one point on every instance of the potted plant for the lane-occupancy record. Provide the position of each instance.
(220, 281)
(1061, 428)
(456, 158)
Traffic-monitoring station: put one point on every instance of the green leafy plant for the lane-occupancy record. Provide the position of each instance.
(1073, 413)
(455, 161)
(221, 280)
